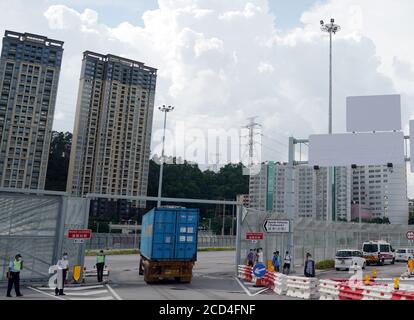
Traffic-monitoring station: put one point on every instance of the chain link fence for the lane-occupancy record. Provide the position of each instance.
(320, 238)
(35, 225)
(129, 241)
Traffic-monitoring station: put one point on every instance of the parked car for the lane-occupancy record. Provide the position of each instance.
(378, 252)
(403, 254)
(345, 259)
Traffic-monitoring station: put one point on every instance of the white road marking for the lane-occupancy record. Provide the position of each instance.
(48, 294)
(100, 298)
(86, 293)
(113, 292)
(247, 290)
(243, 287)
(74, 288)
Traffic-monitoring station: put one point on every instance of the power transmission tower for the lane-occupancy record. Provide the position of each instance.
(251, 141)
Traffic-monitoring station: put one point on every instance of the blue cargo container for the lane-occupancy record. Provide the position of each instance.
(170, 234)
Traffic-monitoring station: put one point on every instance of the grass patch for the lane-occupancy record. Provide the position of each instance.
(215, 249)
(112, 252)
(325, 264)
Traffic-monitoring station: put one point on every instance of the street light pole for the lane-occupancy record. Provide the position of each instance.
(224, 215)
(331, 28)
(165, 110)
(135, 234)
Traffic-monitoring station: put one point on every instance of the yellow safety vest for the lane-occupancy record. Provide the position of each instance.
(17, 265)
(100, 259)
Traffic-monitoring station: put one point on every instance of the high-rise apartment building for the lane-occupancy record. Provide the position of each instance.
(29, 75)
(111, 139)
(375, 191)
(379, 191)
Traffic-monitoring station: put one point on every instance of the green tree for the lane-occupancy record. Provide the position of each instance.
(58, 165)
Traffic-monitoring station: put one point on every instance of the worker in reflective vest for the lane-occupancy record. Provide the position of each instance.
(13, 275)
(100, 264)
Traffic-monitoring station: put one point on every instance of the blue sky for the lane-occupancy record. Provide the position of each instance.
(288, 12)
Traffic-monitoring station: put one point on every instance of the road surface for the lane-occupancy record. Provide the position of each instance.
(213, 279)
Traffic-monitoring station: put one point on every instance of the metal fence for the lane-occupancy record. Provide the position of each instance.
(35, 225)
(130, 241)
(113, 241)
(320, 238)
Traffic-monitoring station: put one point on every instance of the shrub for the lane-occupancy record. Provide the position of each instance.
(325, 264)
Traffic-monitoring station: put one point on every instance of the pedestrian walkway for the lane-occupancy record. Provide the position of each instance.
(94, 292)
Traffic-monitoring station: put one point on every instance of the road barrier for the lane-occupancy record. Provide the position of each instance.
(276, 282)
(245, 273)
(402, 295)
(377, 292)
(329, 289)
(348, 292)
(300, 287)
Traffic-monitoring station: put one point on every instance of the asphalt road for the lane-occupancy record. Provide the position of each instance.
(213, 279)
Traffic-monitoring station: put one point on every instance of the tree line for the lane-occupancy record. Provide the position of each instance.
(180, 180)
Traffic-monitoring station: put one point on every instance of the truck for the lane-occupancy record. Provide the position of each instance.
(168, 248)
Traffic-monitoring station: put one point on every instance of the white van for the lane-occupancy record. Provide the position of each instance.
(378, 252)
(345, 259)
(403, 254)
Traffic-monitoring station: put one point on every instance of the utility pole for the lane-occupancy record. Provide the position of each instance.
(135, 234)
(224, 219)
(331, 28)
(165, 110)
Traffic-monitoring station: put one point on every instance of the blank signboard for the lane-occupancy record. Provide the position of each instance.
(412, 144)
(359, 148)
(373, 113)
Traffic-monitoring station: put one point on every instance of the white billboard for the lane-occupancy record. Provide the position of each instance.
(412, 144)
(373, 113)
(359, 148)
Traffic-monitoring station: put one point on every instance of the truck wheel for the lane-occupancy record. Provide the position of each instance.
(141, 268)
(178, 279)
(147, 278)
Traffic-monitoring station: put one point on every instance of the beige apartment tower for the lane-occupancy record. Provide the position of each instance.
(29, 76)
(112, 134)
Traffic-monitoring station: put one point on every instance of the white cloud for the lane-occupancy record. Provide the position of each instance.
(223, 61)
(265, 67)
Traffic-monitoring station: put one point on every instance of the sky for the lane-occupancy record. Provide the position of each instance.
(221, 62)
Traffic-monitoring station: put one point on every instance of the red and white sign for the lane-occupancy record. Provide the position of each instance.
(254, 236)
(410, 235)
(80, 234)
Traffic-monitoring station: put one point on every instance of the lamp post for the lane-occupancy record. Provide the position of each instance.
(331, 28)
(165, 110)
(135, 234)
(354, 168)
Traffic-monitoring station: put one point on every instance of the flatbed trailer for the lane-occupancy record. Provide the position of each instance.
(155, 271)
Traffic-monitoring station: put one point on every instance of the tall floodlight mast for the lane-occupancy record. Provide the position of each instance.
(331, 28)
